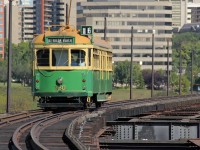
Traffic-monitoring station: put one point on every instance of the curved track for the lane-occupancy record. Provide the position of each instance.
(69, 130)
(10, 123)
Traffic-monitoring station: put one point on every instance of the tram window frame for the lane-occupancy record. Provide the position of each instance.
(63, 58)
(43, 61)
(89, 57)
(109, 58)
(96, 59)
(104, 54)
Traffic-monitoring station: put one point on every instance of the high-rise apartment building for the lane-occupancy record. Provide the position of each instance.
(1, 29)
(26, 2)
(49, 12)
(16, 23)
(22, 22)
(145, 16)
(27, 22)
(193, 13)
(181, 12)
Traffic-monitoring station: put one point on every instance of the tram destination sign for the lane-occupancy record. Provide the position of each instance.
(86, 30)
(59, 40)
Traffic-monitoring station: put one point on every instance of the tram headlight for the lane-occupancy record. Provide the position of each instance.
(59, 80)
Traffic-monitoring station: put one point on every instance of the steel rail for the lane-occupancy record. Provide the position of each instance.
(19, 132)
(150, 99)
(19, 117)
(40, 126)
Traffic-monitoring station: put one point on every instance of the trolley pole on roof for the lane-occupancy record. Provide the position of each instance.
(152, 71)
(68, 14)
(105, 28)
(131, 67)
(9, 58)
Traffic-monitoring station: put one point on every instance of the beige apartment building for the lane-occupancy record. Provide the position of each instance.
(16, 27)
(193, 13)
(27, 23)
(146, 17)
(22, 22)
(1, 29)
(181, 12)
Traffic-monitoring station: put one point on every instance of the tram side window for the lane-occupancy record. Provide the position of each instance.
(110, 61)
(43, 57)
(96, 60)
(60, 58)
(77, 58)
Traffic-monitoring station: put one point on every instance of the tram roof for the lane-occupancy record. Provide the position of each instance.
(67, 31)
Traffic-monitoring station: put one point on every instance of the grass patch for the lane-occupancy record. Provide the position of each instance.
(124, 94)
(21, 98)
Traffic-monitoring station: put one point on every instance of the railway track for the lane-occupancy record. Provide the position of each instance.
(9, 124)
(76, 129)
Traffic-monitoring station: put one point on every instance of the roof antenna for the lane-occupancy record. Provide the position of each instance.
(68, 14)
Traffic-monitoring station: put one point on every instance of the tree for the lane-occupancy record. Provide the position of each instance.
(138, 80)
(185, 84)
(184, 43)
(21, 60)
(147, 77)
(122, 74)
(3, 70)
(159, 78)
(174, 81)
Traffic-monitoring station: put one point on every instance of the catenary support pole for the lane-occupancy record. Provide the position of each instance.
(152, 71)
(192, 61)
(167, 67)
(180, 71)
(131, 67)
(9, 58)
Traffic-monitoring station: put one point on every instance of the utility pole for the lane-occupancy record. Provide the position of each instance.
(180, 71)
(152, 71)
(105, 28)
(9, 58)
(131, 67)
(192, 61)
(167, 67)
